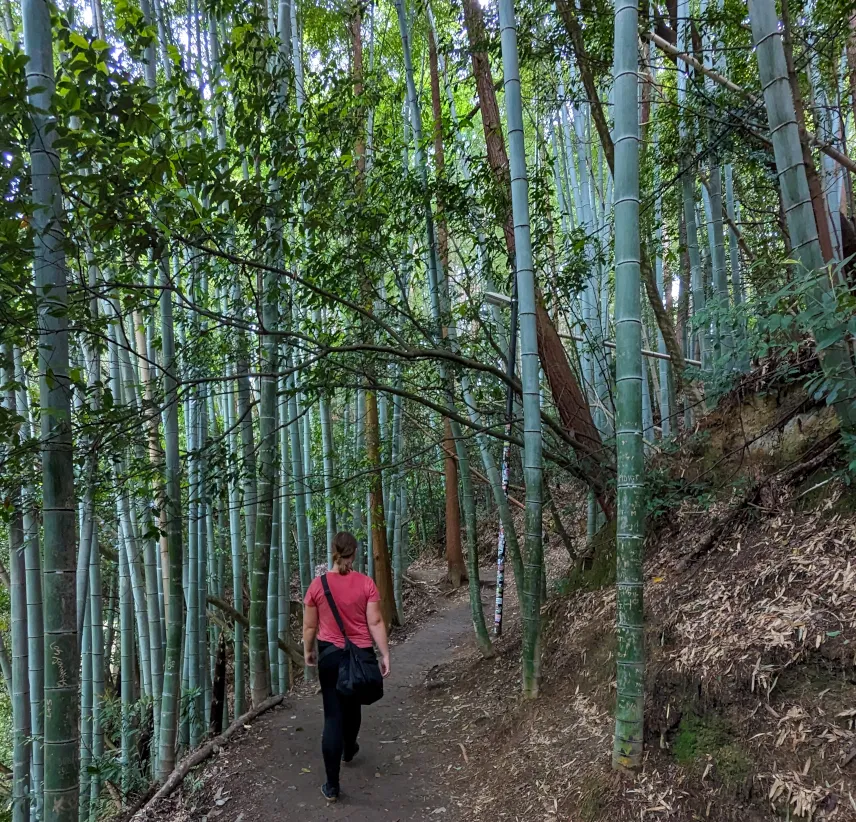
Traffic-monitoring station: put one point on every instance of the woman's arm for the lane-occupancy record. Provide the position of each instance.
(310, 628)
(377, 628)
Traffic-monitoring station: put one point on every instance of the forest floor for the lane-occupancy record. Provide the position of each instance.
(750, 611)
(750, 678)
(273, 771)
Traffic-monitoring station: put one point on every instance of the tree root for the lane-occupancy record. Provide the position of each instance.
(413, 581)
(785, 476)
(200, 755)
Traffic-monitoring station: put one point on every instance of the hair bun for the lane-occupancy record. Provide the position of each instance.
(344, 546)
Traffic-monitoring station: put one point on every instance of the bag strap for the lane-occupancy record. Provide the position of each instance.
(332, 603)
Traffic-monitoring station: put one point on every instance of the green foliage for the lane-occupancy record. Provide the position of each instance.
(776, 325)
(703, 739)
(272, 210)
(594, 802)
(5, 728)
(109, 766)
(664, 492)
(598, 571)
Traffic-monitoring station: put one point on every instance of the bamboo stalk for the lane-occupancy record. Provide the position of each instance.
(530, 365)
(655, 355)
(630, 509)
(840, 157)
(61, 673)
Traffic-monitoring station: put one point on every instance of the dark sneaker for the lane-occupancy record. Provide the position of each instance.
(330, 794)
(349, 757)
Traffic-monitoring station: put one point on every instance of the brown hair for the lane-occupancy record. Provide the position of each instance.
(344, 546)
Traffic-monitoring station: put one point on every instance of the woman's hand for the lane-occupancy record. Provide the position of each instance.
(378, 632)
(310, 628)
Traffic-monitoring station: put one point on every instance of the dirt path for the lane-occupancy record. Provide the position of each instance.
(276, 770)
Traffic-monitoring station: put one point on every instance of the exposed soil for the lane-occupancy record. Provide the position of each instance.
(751, 681)
(274, 771)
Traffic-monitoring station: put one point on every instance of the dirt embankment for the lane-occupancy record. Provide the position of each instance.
(751, 671)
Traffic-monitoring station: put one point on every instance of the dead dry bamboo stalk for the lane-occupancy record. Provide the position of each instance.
(202, 753)
(667, 48)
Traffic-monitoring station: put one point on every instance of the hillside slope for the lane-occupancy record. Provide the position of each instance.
(751, 671)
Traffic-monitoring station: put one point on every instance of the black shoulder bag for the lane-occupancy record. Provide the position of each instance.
(359, 672)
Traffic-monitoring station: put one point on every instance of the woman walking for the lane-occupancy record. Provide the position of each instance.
(358, 603)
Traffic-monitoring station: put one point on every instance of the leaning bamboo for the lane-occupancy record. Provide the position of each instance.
(835, 358)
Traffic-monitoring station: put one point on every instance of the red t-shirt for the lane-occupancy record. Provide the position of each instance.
(352, 592)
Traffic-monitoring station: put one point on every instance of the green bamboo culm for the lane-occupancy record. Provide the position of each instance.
(471, 525)
(62, 662)
(530, 364)
(21, 745)
(784, 132)
(248, 450)
(172, 501)
(435, 273)
(191, 626)
(35, 611)
(688, 191)
(357, 509)
(126, 658)
(273, 604)
(298, 482)
(18, 674)
(259, 665)
(630, 655)
(285, 538)
(97, 656)
(86, 697)
(235, 546)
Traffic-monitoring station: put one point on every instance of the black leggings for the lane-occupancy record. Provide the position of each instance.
(342, 715)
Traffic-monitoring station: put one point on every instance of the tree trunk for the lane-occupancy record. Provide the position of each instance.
(573, 408)
(772, 66)
(218, 692)
(476, 611)
(380, 551)
(818, 203)
(454, 552)
(170, 705)
(62, 661)
(228, 402)
(851, 61)
(259, 662)
(457, 569)
(527, 294)
(627, 750)
(570, 401)
(568, 12)
(18, 681)
(35, 613)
